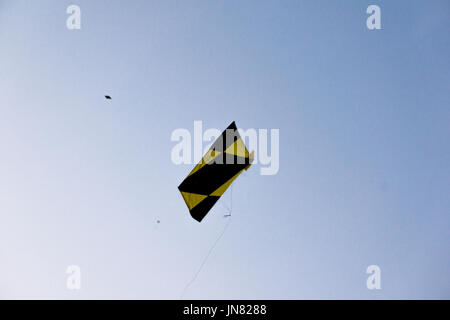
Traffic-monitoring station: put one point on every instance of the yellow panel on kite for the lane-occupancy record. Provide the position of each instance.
(207, 158)
(192, 199)
(238, 148)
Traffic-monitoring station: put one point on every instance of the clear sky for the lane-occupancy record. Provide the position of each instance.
(364, 173)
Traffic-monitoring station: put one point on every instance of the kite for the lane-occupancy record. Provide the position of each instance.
(108, 97)
(220, 166)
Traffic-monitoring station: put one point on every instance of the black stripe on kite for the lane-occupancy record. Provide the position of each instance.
(211, 176)
(200, 210)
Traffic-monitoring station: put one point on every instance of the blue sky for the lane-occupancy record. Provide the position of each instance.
(363, 118)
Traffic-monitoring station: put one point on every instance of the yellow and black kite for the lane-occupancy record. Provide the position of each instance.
(211, 177)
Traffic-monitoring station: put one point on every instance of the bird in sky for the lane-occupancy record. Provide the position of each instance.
(108, 97)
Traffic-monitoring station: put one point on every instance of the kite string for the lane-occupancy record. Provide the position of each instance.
(231, 199)
(229, 208)
(205, 259)
(209, 252)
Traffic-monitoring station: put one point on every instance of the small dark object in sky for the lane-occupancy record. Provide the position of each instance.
(108, 97)
(157, 221)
